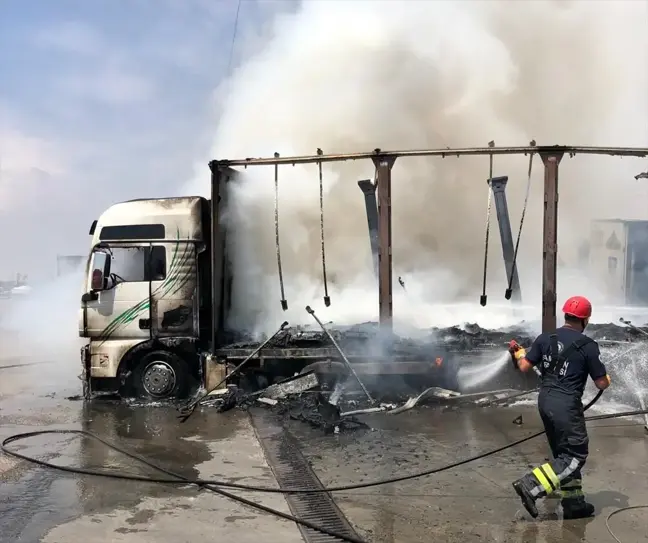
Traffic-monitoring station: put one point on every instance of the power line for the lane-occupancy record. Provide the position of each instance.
(234, 33)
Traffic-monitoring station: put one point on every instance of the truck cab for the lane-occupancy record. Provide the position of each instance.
(146, 299)
(157, 297)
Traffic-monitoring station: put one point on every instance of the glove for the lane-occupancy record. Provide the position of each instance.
(517, 352)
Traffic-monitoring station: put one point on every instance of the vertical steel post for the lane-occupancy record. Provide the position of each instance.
(383, 182)
(498, 186)
(551, 161)
(216, 177)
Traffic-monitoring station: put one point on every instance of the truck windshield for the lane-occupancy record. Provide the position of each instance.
(138, 264)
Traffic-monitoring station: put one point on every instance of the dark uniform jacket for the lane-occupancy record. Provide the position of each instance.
(567, 375)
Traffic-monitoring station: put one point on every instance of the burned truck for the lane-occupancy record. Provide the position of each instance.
(156, 302)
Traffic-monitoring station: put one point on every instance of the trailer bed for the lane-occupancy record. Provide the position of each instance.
(361, 363)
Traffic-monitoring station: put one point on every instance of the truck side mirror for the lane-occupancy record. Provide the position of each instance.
(89, 297)
(100, 270)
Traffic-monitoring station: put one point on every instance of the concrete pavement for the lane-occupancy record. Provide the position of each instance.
(471, 504)
(476, 503)
(42, 505)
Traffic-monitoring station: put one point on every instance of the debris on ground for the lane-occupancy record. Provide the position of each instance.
(301, 398)
(292, 385)
(334, 407)
(314, 409)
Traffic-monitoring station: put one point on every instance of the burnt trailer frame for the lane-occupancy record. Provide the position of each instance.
(551, 156)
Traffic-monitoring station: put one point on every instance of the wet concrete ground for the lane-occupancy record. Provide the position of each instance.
(475, 503)
(37, 504)
(469, 504)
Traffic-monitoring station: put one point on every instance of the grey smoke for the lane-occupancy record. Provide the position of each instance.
(354, 76)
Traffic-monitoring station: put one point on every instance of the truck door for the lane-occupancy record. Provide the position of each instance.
(122, 309)
(174, 302)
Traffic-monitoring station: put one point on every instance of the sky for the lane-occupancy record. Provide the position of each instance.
(101, 102)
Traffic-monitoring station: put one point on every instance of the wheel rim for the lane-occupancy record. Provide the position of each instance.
(158, 379)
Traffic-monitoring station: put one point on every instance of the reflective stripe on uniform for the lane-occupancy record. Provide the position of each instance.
(572, 494)
(573, 489)
(551, 474)
(547, 478)
(543, 480)
(571, 468)
(574, 484)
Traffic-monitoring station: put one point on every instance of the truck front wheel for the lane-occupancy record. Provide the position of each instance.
(161, 375)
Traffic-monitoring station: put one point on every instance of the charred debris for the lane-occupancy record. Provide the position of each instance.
(466, 338)
(324, 395)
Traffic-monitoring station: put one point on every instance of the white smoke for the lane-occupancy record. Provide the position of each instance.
(355, 76)
(41, 325)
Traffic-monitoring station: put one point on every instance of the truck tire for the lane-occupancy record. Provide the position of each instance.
(161, 375)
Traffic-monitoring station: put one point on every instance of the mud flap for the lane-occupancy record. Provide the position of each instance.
(85, 372)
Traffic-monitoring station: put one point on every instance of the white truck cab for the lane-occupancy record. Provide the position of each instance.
(144, 298)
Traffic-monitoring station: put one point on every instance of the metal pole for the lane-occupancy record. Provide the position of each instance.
(443, 153)
(348, 364)
(498, 186)
(216, 178)
(383, 182)
(551, 161)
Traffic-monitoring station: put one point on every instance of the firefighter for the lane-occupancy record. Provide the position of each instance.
(565, 359)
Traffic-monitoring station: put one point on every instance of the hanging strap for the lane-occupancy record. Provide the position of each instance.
(509, 290)
(557, 359)
(284, 303)
(327, 299)
(483, 298)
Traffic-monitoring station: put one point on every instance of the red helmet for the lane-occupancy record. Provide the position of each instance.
(578, 306)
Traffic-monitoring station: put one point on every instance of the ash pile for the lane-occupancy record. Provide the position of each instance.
(360, 338)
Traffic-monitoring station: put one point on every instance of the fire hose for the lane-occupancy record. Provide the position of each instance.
(218, 485)
(11, 366)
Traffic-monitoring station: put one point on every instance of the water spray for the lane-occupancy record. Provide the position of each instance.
(642, 403)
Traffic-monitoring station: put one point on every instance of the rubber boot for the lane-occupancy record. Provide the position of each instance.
(577, 508)
(523, 488)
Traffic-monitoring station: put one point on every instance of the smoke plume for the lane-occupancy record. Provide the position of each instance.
(355, 76)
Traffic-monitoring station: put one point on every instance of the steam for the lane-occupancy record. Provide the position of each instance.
(355, 76)
(41, 327)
